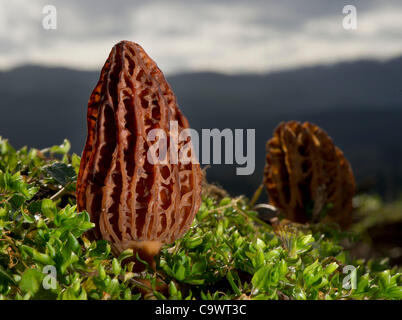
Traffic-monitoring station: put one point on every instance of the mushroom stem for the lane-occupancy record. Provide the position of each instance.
(146, 250)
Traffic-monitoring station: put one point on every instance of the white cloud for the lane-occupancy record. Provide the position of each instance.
(197, 35)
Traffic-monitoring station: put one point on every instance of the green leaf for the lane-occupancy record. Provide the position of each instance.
(72, 242)
(62, 173)
(331, 268)
(179, 271)
(4, 274)
(28, 218)
(73, 258)
(229, 277)
(261, 279)
(49, 208)
(75, 162)
(31, 281)
(61, 149)
(116, 267)
(173, 292)
(36, 255)
(125, 254)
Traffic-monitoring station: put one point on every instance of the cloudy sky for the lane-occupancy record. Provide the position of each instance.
(190, 35)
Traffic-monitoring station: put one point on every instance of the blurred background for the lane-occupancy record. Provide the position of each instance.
(232, 64)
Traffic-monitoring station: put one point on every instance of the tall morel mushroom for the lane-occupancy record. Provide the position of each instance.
(307, 176)
(135, 203)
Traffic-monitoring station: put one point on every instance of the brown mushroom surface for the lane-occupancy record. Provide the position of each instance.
(306, 175)
(134, 203)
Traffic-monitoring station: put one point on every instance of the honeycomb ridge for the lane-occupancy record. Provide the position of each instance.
(129, 199)
(304, 167)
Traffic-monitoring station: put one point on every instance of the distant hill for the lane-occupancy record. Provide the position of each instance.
(358, 103)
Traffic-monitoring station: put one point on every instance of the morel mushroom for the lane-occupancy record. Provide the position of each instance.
(135, 203)
(307, 176)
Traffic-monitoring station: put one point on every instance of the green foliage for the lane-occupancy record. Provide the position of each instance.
(373, 212)
(228, 253)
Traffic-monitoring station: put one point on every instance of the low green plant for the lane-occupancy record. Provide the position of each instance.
(228, 253)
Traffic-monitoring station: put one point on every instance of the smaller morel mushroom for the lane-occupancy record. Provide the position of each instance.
(136, 203)
(307, 177)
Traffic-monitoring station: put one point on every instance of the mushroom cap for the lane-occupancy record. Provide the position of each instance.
(305, 172)
(133, 202)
